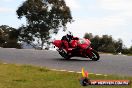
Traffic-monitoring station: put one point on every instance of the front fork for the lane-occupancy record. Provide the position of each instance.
(88, 51)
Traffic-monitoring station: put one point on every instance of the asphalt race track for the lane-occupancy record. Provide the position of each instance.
(108, 64)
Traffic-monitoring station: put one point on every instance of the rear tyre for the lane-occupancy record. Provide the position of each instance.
(95, 56)
(64, 54)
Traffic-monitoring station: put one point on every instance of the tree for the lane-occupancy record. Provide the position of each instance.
(95, 42)
(107, 44)
(43, 18)
(130, 50)
(118, 45)
(1, 37)
(88, 35)
(125, 50)
(9, 37)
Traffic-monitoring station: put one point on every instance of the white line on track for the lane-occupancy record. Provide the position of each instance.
(76, 72)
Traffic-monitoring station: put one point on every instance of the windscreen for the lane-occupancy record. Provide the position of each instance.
(81, 41)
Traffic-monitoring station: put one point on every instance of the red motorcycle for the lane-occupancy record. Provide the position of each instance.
(80, 48)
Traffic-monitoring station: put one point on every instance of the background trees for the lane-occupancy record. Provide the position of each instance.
(47, 17)
(9, 37)
(106, 43)
(43, 18)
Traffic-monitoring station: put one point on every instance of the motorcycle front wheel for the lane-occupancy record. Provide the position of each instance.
(95, 55)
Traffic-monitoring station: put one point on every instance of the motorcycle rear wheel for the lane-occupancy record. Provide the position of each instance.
(64, 54)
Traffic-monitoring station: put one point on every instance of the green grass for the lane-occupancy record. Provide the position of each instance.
(26, 76)
(129, 54)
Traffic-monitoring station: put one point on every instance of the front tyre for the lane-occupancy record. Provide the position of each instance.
(95, 56)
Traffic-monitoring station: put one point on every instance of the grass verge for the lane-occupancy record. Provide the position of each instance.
(26, 76)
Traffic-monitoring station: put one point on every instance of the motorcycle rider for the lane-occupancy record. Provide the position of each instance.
(66, 41)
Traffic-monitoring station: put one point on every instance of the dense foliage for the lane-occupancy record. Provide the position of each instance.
(9, 37)
(43, 18)
(106, 43)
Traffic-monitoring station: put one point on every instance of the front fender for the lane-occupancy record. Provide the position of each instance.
(89, 51)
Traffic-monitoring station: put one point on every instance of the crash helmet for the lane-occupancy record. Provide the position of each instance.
(69, 35)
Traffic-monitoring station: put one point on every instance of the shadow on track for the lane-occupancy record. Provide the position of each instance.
(73, 60)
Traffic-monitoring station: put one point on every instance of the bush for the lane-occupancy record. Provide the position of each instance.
(12, 44)
(125, 51)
